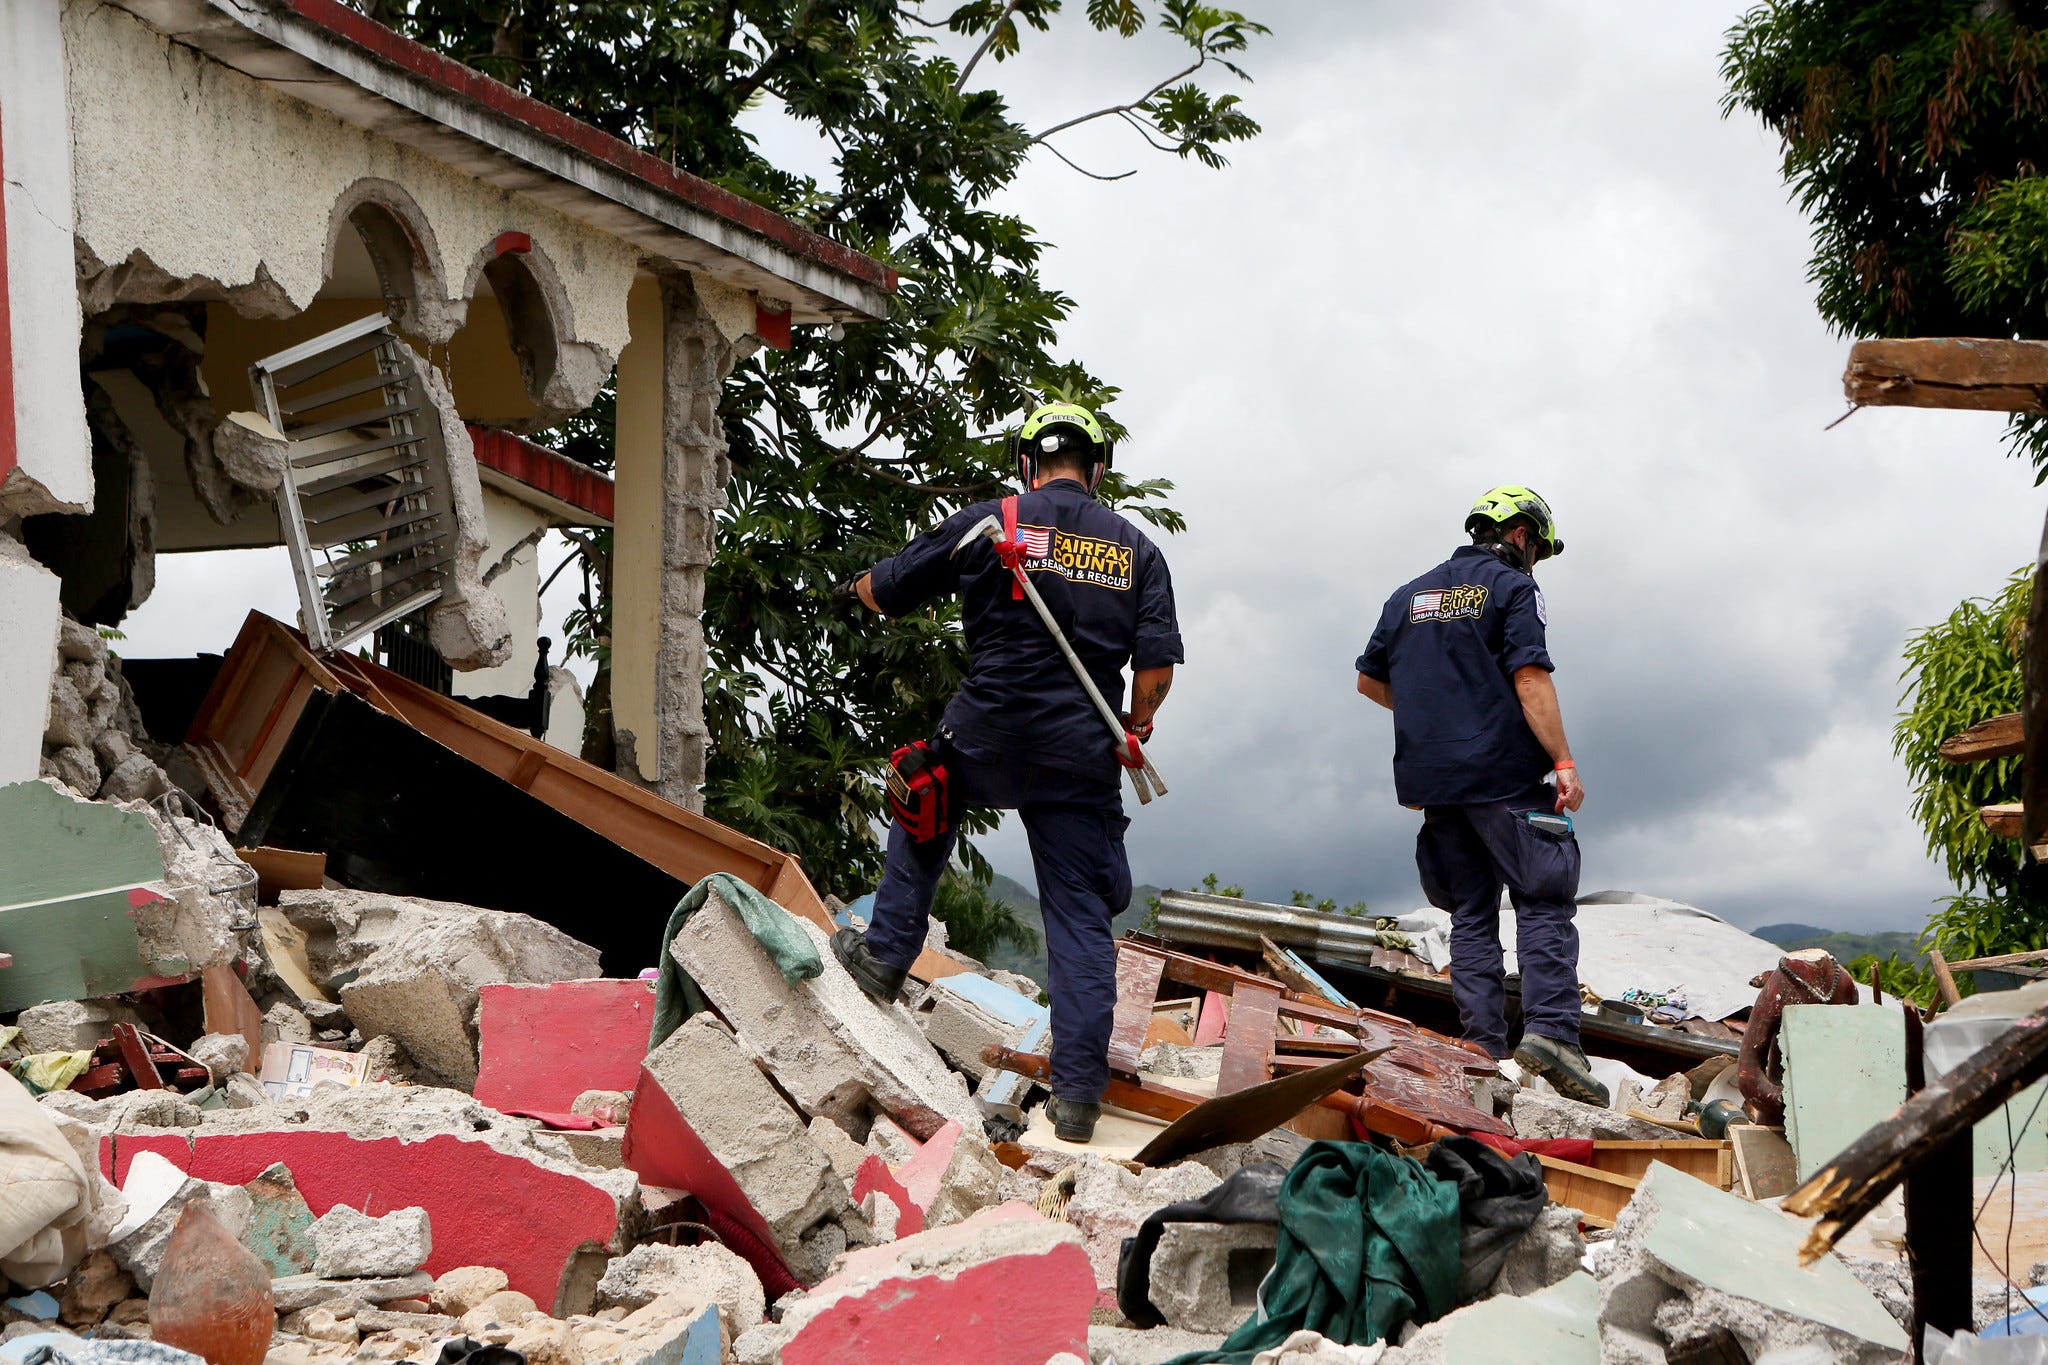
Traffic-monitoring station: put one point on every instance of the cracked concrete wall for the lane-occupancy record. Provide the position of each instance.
(45, 452)
(672, 471)
(192, 179)
(28, 626)
(511, 569)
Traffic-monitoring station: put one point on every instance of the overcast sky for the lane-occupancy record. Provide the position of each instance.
(1481, 244)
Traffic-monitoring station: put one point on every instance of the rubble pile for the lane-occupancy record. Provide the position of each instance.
(94, 741)
(793, 1172)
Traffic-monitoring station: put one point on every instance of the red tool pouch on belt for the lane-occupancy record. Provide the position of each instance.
(920, 791)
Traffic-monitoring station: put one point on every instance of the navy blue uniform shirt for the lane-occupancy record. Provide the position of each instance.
(1449, 644)
(1103, 581)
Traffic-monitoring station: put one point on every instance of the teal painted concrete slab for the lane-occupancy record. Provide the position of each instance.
(1845, 1069)
(71, 876)
(1752, 1251)
(1558, 1326)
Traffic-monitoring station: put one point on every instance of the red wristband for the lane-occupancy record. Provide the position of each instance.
(1567, 763)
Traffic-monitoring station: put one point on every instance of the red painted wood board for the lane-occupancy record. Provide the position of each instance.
(1254, 1016)
(1137, 986)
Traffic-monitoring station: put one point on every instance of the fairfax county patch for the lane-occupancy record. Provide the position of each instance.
(1447, 604)
(1542, 608)
(1078, 559)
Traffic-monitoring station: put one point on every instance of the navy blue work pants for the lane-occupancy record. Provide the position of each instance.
(1076, 828)
(1465, 855)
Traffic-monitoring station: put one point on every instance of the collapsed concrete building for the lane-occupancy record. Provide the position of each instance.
(200, 195)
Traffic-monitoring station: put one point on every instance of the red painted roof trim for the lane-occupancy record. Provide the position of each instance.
(10, 453)
(537, 467)
(345, 23)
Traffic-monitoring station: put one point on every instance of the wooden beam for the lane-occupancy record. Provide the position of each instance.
(1249, 1039)
(1971, 964)
(1864, 1172)
(2002, 819)
(1984, 374)
(1999, 737)
(1944, 978)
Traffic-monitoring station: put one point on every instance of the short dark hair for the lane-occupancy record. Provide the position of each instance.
(1067, 460)
(1491, 532)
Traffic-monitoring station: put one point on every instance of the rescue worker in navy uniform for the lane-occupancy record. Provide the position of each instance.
(1022, 735)
(1479, 746)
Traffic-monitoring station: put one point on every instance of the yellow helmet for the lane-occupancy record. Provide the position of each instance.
(1056, 428)
(1498, 506)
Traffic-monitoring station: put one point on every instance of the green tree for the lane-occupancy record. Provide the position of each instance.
(1913, 134)
(842, 444)
(1958, 673)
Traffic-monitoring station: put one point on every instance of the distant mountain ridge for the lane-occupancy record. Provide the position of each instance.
(1018, 896)
(1842, 943)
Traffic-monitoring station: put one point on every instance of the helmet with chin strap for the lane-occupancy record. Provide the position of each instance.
(1499, 506)
(1061, 429)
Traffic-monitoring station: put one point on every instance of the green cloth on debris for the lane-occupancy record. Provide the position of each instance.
(1368, 1242)
(676, 996)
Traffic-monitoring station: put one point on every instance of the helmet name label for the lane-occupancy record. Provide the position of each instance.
(1448, 604)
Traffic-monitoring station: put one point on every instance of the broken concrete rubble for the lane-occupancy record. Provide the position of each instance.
(750, 1131)
(831, 1048)
(1109, 1202)
(157, 1192)
(1205, 1276)
(965, 1014)
(653, 1270)
(948, 1294)
(348, 1242)
(1669, 1279)
(418, 967)
(72, 1025)
(1537, 1116)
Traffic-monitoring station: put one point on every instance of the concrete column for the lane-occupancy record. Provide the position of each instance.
(671, 474)
(45, 453)
(28, 656)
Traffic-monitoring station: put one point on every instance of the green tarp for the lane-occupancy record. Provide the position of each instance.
(1368, 1241)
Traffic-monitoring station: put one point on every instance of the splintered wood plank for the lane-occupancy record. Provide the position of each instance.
(1254, 1018)
(1999, 737)
(1984, 374)
(1764, 1165)
(135, 1054)
(1137, 986)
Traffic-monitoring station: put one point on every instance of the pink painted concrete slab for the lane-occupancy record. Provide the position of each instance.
(540, 1046)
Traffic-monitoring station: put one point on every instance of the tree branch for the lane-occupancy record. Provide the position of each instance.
(1121, 175)
(986, 43)
(1118, 108)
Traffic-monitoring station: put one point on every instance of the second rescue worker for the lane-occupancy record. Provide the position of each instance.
(1022, 735)
(1459, 657)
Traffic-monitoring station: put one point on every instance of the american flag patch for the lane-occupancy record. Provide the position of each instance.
(1424, 605)
(1036, 540)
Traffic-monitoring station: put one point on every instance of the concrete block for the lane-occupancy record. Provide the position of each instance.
(674, 1330)
(542, 1045)
(280, 1223)
(842, 1151)
(709, 1272)
(1845, 1068)
(884, 1215)
(419, 966)
(348, 1242)
(952, 1176)
(1548, 1252)
(603, 1149)
(952, 1294)
(1206, 1276)
(963, 1014)
(293, 1292)
(752, 1133)
(457, 1291)
(72, 1025)
(29, 617)
(1537, 1115)
(1688, 1258)
(1109, 1202)
(830, 1047)
(496, 1192)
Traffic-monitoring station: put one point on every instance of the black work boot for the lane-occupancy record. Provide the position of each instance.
(1564, 1066)
(1072, 1120)
(881, 982)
